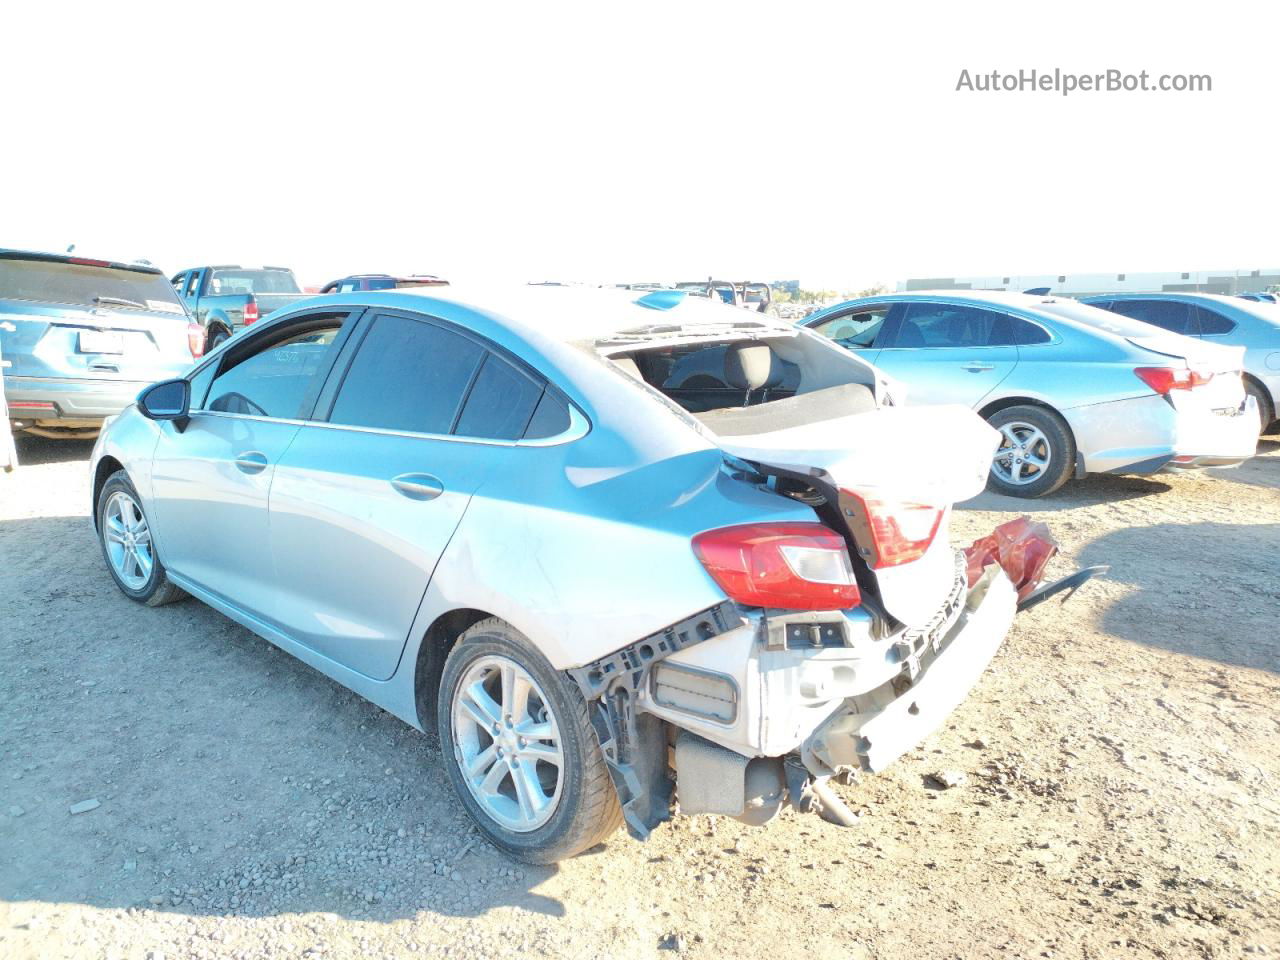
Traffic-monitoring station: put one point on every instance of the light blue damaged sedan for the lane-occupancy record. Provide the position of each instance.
(1213, 318)
(1072, 389)
(488, 515)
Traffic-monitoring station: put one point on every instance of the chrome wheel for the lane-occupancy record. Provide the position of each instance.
(1024, 453)
(507, 743)
(128, 540)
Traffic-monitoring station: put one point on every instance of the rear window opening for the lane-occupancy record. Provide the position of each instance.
(738, 387)
(86, 285)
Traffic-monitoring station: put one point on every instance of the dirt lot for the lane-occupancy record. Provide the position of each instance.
(1121, 793)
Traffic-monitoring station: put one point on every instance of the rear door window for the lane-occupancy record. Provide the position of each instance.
(1212, 323)
(1171, 315)
(943, 325)
(276, 380)
(501, 402)
(407, 375)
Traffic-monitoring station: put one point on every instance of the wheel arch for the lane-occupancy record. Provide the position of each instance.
(437, 641)
(105, 468)
(1249, 378)
(1004, 403)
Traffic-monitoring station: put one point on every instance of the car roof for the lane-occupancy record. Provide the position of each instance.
(11, 254)
(569, 314)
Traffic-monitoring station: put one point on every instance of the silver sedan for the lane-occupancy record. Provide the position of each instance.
(1072, 389)
(1254, 325)
(488, 517)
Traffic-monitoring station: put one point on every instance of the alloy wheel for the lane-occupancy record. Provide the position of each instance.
(507, 743)
(128, 540)
(1024, 453)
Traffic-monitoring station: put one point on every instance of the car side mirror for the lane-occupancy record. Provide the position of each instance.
(167, 400)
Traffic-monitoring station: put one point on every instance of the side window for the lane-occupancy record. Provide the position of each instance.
(1213, 324)
(407, 375)
(180, 282)
(855, 330)
(1007, 331)
(952, 325)
(275, 380)
(550, 419)
(1166, 314)
(193, 284)
(501, 401)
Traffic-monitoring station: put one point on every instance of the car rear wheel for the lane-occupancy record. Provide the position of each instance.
(1036, 452)
(519, 748)
(217, 338)
(127, 545)
(1266, 412)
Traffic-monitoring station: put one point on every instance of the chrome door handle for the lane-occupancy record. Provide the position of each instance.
(251, 461)
(418, 486)
(973, 366)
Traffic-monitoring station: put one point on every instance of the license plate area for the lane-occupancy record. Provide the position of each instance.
(100, 341)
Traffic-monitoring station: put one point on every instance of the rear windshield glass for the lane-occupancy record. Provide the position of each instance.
(1113, 323)
(54, 281)
(252, 281)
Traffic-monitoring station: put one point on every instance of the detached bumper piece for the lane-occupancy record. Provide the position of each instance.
(1022, 549)
(635, 745)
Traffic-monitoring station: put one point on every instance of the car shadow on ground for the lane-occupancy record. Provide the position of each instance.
(1214, 597)
(34, 451)
(229, 777)
(1089, 492)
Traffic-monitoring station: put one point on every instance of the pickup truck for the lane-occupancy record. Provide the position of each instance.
(223, 299)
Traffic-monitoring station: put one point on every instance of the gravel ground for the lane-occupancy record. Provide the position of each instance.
(1118, 794)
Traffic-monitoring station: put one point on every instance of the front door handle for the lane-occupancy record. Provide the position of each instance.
(251, 461)
(973, 366)
(418, 486)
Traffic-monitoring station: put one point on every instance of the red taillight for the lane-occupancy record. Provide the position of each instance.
(251, 312)
(30, 405)
(893, 532)
(790, 566)
(195, 340)
(1164, 379)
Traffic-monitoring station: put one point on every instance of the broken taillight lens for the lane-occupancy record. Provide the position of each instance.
(789, 566)
(892, 532)
(1164, 379)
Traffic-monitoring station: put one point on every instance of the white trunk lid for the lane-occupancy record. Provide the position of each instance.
(937, 455)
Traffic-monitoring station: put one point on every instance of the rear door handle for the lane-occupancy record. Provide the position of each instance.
(973, 366)
(251, 461)
(418, 486)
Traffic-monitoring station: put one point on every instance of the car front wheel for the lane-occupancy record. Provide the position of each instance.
(519, 748)
(1036, 452)
(127, 545)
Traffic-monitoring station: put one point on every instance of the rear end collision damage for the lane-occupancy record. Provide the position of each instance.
(740, 709)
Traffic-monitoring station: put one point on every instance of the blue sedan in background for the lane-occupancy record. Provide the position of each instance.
(1254, 325)
(1071, 388)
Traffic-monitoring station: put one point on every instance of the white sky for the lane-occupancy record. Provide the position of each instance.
(556, 141)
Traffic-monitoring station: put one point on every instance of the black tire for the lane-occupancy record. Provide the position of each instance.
(158, 589)
(1061, 451)
(217, 338)
(587, 810)
(1265, 410)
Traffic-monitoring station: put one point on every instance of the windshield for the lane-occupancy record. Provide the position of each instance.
(253, 281)
(56, 281)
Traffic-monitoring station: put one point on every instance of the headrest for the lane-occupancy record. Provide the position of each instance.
(751, 366)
